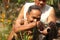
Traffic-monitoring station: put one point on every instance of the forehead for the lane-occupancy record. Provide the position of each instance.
(35, 12)
(40, 0)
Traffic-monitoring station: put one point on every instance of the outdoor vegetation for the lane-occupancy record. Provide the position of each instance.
(9, 10)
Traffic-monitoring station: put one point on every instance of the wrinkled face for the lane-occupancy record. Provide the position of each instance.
(34, 15)
(40, 3)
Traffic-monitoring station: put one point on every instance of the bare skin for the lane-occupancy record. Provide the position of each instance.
(51, 17)
(30, 23)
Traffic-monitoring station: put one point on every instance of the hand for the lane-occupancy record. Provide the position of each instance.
(38, 23)
(15, 29)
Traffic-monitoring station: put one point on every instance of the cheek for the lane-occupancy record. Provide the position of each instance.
(30, 18)
(37, 3)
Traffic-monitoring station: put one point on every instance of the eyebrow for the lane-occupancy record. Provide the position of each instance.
(35, 17)
(43, 0)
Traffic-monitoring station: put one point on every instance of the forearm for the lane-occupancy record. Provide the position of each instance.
(25, 27)
(52, 17)
(11, 35)
(21, 14)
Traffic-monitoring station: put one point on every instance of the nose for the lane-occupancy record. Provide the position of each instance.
(31, 19)
(35, 20)
(41, 2)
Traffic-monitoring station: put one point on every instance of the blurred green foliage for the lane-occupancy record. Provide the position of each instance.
(7, 16)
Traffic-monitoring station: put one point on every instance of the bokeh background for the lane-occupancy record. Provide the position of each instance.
(9, 10)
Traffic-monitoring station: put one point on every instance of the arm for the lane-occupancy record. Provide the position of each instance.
(21, 14)
(18, 20)
(51, 18)
(24, 27)
(12, 33)
(17, 28)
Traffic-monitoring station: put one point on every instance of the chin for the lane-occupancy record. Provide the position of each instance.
(42, 5)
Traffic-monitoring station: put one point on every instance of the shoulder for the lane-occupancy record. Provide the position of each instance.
(49, 7)
(28, 4)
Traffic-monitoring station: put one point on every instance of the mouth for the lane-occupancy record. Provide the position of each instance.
(41, 5)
